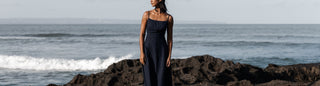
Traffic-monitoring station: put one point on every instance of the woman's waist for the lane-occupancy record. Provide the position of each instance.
(155, 38)
(157, 35)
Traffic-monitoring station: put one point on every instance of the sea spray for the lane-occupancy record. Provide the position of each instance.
(33, 63)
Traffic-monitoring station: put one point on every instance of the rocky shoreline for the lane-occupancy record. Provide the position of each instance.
(205, 70)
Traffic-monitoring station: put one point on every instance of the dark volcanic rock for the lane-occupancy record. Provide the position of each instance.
(316, 83)
(240, 83)
(297, 73)
(125, 72)
(205, 71)
(214, 70)
(283, 83)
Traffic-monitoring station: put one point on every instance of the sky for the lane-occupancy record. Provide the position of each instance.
(183, 11)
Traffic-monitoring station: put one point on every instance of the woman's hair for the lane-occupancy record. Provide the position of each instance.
(162, 6)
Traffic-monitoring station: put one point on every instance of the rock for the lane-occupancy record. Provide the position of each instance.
(52, 85)
(125, 72)
(204, 70)
(283, 83)
(297, 73)
(240, 83)
(210, 69)
(316, 83)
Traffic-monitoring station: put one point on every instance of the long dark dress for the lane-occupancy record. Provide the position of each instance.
(156, 52)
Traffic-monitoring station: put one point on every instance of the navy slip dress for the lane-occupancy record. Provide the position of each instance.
(155, 71)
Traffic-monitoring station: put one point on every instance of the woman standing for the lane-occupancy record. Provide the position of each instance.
(155, 51)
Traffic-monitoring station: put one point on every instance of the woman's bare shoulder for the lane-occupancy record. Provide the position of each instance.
(170, 17)
(145, 14)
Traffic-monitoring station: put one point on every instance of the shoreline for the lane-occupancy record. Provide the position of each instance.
(205, 70)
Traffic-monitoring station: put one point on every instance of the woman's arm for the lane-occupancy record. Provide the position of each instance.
(169, 38)
(142, 35)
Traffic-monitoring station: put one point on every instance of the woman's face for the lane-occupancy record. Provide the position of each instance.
(154, 2)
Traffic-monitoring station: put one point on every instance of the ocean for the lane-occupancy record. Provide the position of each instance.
(40, 54)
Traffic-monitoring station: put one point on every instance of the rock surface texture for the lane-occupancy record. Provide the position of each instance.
(206, 70)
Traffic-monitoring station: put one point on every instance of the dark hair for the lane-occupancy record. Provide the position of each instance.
(162, 6)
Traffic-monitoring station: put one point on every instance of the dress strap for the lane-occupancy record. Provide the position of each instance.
(168, 18)
(148, 13)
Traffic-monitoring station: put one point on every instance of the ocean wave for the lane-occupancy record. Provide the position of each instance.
(264, 59)
(263, 62)
(76, 35)
(245, 42)
(252, 35)
(17, 38)
(32, 63)
(286, 35)
(49, 35)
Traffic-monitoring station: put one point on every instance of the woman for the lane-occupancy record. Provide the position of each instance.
(155, 52)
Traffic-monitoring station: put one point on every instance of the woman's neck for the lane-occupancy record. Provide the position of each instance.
(157, 11)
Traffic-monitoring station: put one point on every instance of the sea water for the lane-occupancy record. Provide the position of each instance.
(39, 54)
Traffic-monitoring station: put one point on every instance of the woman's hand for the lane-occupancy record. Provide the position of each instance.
(168, 62)
(142, 59)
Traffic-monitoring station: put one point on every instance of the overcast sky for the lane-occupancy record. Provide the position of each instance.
(226, 11)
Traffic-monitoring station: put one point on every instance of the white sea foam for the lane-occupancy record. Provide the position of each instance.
(27, 62)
